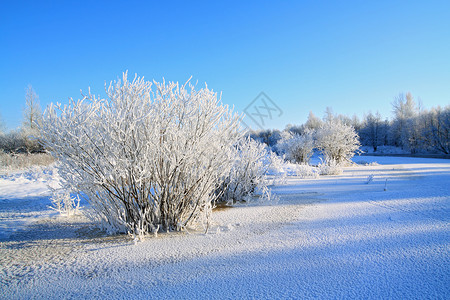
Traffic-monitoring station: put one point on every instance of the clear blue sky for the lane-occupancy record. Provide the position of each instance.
(354, 56)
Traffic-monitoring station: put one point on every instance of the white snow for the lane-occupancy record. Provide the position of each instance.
(24, 198)
(330, 237)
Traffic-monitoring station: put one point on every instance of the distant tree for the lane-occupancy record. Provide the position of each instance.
(32, 118)
(404, 106)
(373, 132)
(313, 122)
(329, 115)
(32, 113)
(13, 141)
(345, 120)
(274, 138)
(267, 136)
(386, 129)
(437, 129)
(261, 136)
(416, 139)
(356, 123)
(402, 129)
(295, 129)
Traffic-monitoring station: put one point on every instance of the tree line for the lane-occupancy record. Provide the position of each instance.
(412, 128)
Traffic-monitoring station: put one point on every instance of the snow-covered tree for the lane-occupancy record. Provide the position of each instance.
(404, 106)
(337, 141)
(329, 115)
(373, 131)
(313, 122)
(437, 129)
(297, 147)
(32, 117)
(402, 129)
(356, 123)
(149, 157)
(32, 114)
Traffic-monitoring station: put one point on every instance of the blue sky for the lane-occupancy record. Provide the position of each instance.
(354, 56)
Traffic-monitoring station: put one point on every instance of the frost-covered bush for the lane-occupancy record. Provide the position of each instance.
(277, 171)
(280, 169)
(247, 176)
(297, 148)
(148, 157)
(337, 141)
(305, 171)
(330, 167)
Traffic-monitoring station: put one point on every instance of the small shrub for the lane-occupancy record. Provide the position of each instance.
(247, 176)
(65, 204)
(19, 161)
(366, 163)
(297, 148)
(331, 167)
(306, 171)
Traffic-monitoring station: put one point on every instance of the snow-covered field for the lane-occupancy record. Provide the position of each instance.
(333, 237)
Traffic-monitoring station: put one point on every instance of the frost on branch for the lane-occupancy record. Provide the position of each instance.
(149, 156)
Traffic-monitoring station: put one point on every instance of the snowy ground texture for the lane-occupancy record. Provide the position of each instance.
(333, 237)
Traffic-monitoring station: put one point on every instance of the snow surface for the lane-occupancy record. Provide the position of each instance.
(330, 237)
(24, 198)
